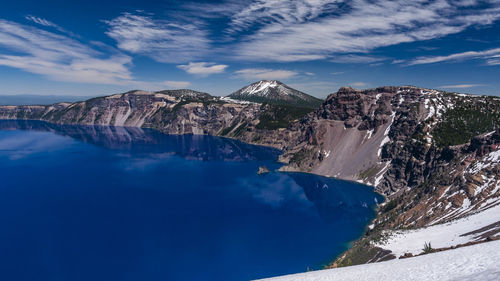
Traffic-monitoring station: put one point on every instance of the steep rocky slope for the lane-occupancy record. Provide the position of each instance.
(172, 112)
(389, 137)
(275, 92)
(434, 154)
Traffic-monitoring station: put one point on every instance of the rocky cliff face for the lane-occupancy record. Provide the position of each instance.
(465, 180)
(434, 154)
(172, 112)
(389, 137)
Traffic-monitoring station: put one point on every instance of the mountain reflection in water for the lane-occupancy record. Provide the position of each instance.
(114, 203)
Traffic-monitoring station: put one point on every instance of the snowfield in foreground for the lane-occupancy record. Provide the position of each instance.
(477, 262)
(444, 235)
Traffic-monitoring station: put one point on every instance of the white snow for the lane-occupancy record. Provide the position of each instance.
(432, 110)
(367, 136)
(441, 235)
(445, 191)
(492, 157)
(386, 134)
(477, 262)
(486, 183)
(327, 153)
(401, 99)
(380, 175)
(230, 100)
(261, 88)
(369, 133)
(440, 109)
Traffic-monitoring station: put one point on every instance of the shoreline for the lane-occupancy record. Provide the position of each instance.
(327, 264)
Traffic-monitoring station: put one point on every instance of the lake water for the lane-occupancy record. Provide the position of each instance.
(111, 203)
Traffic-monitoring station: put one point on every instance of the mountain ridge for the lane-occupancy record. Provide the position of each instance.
(275, 92)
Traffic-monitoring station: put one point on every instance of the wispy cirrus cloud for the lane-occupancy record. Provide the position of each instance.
(285, 31)
(162, 40)
(62, 58)
(203, 68)
(47, 23)
(311, 30)
(176, 84)
(59, 57)
(280, 12)
(41, 21)
(461, 86)
(352, 58)
(358, 84)
(265, 74)
(491, 57)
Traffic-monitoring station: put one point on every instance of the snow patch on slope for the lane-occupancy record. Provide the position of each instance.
(261, 88)
(441, 235)
(477, 262)
(230, 100)
(493, 157)
(386, 134)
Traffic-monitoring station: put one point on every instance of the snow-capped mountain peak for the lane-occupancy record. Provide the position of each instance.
(272, 91)
(261, 87)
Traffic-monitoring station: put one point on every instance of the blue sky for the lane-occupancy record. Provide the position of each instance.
(90, 47)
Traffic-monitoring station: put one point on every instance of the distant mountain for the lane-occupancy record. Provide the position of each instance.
(38, 99)
(275, 92)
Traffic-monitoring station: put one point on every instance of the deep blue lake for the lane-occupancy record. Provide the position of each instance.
(112, 203)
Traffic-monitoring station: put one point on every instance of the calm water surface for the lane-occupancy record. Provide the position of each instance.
(110, 203)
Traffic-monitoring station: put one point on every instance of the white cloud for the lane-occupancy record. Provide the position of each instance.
(461, 86)
(161, 40)
(493, 61)
(41, 21)
(491, 56)
(265, 12)
(91, 70)
(203, 68)
(62, 58)
(314, 29)
(265, 74)
(350, 58)
(397, 61)
(59, 57)
(47, 23)
(358, 84)
(301, 30)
